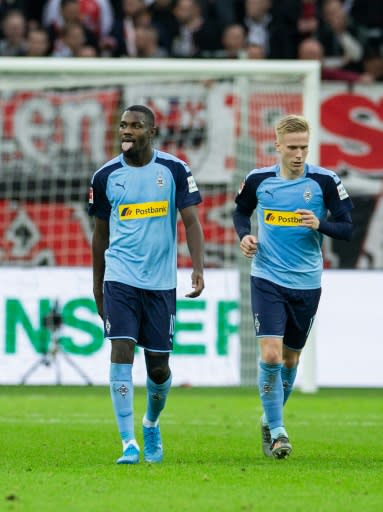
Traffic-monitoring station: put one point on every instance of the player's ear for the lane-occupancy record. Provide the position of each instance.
(154, 131)
(277, 146)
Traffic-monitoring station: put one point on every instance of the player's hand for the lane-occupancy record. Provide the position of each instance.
(198, 285)
(249, 246)
(309, 219)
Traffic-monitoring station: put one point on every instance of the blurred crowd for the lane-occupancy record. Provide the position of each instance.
(346, 36)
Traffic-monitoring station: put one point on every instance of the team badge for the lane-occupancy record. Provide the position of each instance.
(160, 181)
(307, 195)
(90, 196)
(107, 326)
(123, 390)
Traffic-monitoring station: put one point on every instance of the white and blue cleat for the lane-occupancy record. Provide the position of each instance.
(131, 453)
(153, 451)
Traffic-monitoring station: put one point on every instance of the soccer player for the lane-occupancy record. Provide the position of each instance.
(292, 200)
(134, 198)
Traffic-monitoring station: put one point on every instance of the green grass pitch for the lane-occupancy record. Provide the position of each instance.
(59, 446)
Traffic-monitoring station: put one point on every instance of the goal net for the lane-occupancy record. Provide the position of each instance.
(59, 120)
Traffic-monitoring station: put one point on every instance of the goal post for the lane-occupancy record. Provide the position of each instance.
(59, 119)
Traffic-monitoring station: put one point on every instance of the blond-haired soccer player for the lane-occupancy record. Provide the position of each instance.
(292, 200)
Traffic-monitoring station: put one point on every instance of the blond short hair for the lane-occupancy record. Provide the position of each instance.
(291, 124)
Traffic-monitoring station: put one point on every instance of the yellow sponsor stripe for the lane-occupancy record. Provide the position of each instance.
(143, 210)
(281, 218)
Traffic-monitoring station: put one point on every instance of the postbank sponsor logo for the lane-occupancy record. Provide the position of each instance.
(143, 210)
(279, 218)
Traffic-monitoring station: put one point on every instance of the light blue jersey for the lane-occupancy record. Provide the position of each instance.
(288, 254)
(141, 206)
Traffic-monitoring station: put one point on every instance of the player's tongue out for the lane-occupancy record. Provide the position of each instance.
(126, 146)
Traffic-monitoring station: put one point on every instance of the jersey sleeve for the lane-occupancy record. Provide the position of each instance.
(246, 199)
(336, 197)
(187, 193)
(99, 205)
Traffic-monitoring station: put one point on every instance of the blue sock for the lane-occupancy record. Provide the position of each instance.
(288, 377)
(156, 398)
(122, 393)
(271, 392)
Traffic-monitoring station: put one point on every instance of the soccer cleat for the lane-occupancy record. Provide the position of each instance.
(153, 451)
(131, 454)
(266, 439)
(281, 447)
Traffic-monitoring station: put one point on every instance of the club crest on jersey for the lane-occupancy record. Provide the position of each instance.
(90, 196)
(307, 195)
(107, 325)
(160, 181)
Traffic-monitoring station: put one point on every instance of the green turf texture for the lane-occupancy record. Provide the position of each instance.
(59, 446)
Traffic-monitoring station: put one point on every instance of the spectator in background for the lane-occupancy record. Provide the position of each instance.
(37, 44)
(196, 35)
(369, 15)
(256, 21)
(233, 43)
(13, 28)
(72, 41)
(147, 43)
(291, 22)
(10, 5)
(96, 15)
(164, 21)
(69, 14)
(311, 49)
(123, 32)
(343, 45)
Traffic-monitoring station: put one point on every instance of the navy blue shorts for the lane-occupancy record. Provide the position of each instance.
(145, 316)
(283, 312)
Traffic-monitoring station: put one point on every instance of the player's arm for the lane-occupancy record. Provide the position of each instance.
(242, 223)
(246, 202)
(100, 242)
(340, 226)
(194, 238)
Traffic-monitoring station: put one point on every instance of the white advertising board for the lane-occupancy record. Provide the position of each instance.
(347, 336)
(206, 346)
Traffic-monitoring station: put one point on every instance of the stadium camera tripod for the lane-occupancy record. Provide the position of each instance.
(53, 323)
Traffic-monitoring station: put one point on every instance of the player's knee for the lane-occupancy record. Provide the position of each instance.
(157, 367)
(159, 374)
